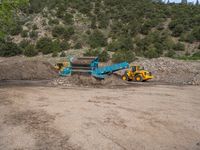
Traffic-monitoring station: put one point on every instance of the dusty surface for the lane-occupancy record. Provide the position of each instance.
(26, 70)
(88, 81)
(136, 118)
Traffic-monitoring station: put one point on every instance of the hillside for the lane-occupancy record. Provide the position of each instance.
(123, 28)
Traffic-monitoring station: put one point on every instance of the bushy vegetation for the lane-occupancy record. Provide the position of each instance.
(140, 27)
(44, 45)
(102, 54)
(121, 56)
(63, 32)
(8, 49)
(97, 39)
(24, 33)
(30, 51)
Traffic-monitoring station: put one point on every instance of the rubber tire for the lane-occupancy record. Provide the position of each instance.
(138, 76)
(126, 76)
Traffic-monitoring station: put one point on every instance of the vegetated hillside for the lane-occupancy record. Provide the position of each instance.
(127, 28)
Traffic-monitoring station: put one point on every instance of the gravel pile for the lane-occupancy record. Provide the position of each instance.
(88, 81)
(172, 71)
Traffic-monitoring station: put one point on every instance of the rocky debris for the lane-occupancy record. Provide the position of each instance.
(88, 81)
(26, 70)
(172, 71)
(165, 70)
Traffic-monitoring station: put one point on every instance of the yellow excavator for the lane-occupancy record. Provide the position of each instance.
(137, 73)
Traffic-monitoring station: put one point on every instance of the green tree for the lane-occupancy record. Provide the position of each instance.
(58, 31)
(8, 49)
(7, 13)
(179, 47)
(97, 39)
(121, 56)
(104, 56)
(44, 45)
(196, 33)
(30, 51)
(178, 30)
(151, 52)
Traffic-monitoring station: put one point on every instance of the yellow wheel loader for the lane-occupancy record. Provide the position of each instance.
(137, 73)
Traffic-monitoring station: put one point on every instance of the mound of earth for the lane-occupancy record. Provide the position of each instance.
(88, 81)
(172, 71)
(26, 70)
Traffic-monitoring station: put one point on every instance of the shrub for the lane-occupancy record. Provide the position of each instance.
(44, 45)
(196, 54)
(8, 49)
(55, 54)
(16, 29)
(64, 45)
(34, 27)
(30, 51)
(58, 31)
(121, 56)
(92, 53)
(170, 53)
(114, 46)
(97, 39)
(78, 45)
(178, 30)
(196, 33)
(63, 54)
(53, 21)
(33, 34)
(151, 52)
(24, 33)
(55, 46)
(68, 32)
(24, 43)
(179, 47)
(104, 56)
(189, 38)
(68, 18)
(125, 43)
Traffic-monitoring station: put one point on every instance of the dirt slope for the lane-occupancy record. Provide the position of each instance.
(26, 70)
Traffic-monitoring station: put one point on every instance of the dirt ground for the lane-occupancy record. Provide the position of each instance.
(156, 117)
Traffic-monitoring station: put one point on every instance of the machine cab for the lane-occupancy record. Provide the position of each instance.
(136, 68)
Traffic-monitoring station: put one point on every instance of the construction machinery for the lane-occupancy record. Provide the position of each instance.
(90, 65)
(137, 73)
(61, 65)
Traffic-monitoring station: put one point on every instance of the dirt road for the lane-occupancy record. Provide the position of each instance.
(159, 117)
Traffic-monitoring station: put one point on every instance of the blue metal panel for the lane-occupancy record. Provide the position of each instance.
(102, 71)
(65, 72)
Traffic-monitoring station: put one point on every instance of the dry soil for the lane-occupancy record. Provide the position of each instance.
(157, 117)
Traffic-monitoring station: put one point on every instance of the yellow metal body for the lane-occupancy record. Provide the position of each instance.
(61, 65)
(137, 73)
